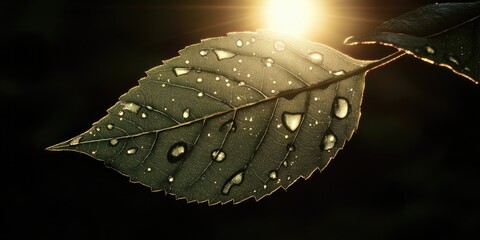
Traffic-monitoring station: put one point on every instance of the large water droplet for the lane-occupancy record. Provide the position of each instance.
(329, 141)
(179, 71)
(234, 180)
(292, 120)
(113, 141)
(239, 43)
(186, 113)
(131, 151)
(75, 141)
(222, 54)
(177, 152)
(315, 57)
(203, 52)
(341, 107)
(273, 175)
(268, 61)
(279, 45)
(218, 155)
(230, 125)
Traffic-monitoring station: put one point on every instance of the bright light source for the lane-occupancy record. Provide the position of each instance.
(292, 16)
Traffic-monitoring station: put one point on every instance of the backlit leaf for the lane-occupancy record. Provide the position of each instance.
(232, 118)
(447, 34)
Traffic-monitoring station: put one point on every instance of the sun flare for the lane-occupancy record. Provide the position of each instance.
(292, 16)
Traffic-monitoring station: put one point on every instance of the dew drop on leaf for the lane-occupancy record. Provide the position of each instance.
(203, 52)
(235, 180)
(186, 113)
(131, 151)
(341, 107)
(75, 141)
(429, 50)
(273, 175)
(179, 71)
(177, 152)
(113, 141)
(291, 147)
(222, 54)
(292, 120)
(218, 155)
(329, 141)
(338, 73)
(315, 57)
(239, 43)
(279, 45)
(132, 107)
(110, 126)
(268, 61)
(170, 179)
(144, 115)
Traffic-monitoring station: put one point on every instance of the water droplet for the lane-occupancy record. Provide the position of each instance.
(94, 152)
(279, 125)
(187, 62)
(113, 141)
(186, 113)
(200, 94)
(453, 60)
(310, 68)
(286, 136)
(230, 125)
(164, 85)
(217, 78)
(97, 129)
(75, 141)
(467, 69)
(248, 75)
(120, 113)
(218, 155)
(179, 71)
(429, 50)
(177, 152)
(144, 115)
(149, 169)
(170, 179)
(291, 147)
(234, 69)
(239, 43)
(268, 61)
(315, 57)
(241, 84)
(199, 80)
(341, 107)
(110, 126)
(338, 73)
(222, 54)
(329, 141)
(273, 175)
(292, 120)
(131, 151)
(253, 39)
(285, 163)
(279, 45)
(236, 179)
(203, 52)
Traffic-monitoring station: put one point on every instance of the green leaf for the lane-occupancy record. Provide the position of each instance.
(232, 118)
(446, 34)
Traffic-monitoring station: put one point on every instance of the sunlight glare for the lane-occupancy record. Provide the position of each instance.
(292, 16)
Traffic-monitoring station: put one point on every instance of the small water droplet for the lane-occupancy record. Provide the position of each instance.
(222, 54)
(240, 61)
(291, 147)
(75, 141)
(341, 107)
(149, 169)
(186, 113)
(164, 85)
(429, 50)
(248, 75)
(97, 129)
(453, 60)
(187, 62)
(234, 69)
(467, 69)
(286, 136)
(253, 39)
(200, 94)
(241, 84)
(217, 78)
(218, 155)
(110, 126)
(279, 125)
(239, 43)
(285, 163)
(264, 186)
(292, 120)
(131, 151)
(120, 113)
(279, 45)
(177, 152)
(236, 179)
(179, 71)
(329, 141)
(113, 141)
(144, 115)
(170, 179)
(203, 52)
(273, 175)
(315, 57)
(230, 125)
(268, 61)
(94, 152)
(199, 80)
(338, 73)
(310, 68)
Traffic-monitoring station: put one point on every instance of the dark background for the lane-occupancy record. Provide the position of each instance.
(411, 170)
